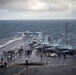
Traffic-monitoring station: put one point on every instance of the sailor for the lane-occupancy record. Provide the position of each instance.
(5, 63)
(1, 59)
(41, 56)
(59, 55)
(11, 55)
(64, 55)
(44, 51)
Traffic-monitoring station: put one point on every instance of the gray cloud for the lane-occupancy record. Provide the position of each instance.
(33, 5)
(34, 8)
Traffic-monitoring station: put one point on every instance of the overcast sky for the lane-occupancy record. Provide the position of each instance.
(37, 9)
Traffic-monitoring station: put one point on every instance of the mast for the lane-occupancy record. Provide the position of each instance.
(66, 34)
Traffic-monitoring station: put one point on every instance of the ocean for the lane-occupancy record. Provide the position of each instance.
(12, 30)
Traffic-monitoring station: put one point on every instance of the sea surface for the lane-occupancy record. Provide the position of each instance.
(13, 30)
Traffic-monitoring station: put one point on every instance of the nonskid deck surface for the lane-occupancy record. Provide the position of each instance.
(52, 65)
